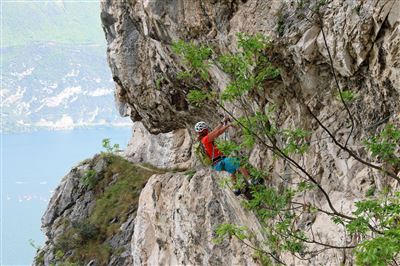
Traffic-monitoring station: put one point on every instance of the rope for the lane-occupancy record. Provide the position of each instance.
(226, 132)
(212, 154)
(380, 122)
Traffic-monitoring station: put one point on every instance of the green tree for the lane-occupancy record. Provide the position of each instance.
(110, 148)
(279, 209)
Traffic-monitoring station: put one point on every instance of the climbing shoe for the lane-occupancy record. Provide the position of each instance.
(256, 181)
(237, 192)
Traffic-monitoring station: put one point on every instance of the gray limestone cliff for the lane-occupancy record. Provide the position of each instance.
(178, 211)
(363, 39)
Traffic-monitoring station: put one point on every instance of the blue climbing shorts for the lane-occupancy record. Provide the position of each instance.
(227, 164)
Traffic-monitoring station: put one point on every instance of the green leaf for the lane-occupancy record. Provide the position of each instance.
(228, 147)
(359, 225)
(378, 251)
(385, 145)
(195, 57)
(347, 96)
(305, 186)
(197, 98)
(228, 230)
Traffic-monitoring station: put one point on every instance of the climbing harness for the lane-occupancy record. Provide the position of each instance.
(201, 153)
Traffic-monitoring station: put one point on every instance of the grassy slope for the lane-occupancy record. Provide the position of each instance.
(116, 198)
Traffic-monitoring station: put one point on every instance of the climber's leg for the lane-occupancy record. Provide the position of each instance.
(245, 173)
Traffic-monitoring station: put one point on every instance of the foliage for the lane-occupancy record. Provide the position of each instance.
(158, 82)
(248, 68)
(371, 191)
(227, 147)
(34, 245)
(117, 194)
(109, 147)
(201, 154)
(268, 202)
(88, 180)
(271, 208)
(67, 263)
(190, 173)
(303, 186)
(385, 145)
(347, 96)
(280, 210)
(86, 230)
(228, 230)
(195, 57)
(280, 25)
(197, 98)
(101, 252)
(114, 201)
(67, 241)
(380, 251)
(59, 254)
(263, 258)
(384, 211)
(39, 258)
(224, 182)
(254, 172)
(241, 182)
(295, 141)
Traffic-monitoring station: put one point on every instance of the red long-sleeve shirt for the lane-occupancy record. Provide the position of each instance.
(208, 146)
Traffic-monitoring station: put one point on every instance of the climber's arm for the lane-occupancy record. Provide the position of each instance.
(216, 129)
(217, 132)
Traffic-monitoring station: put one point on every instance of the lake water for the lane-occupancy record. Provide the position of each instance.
(33, 164)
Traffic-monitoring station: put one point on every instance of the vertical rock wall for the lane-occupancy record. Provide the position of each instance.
(363, 39)
(177, 217)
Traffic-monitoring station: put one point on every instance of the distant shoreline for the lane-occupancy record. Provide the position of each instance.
(77, 127)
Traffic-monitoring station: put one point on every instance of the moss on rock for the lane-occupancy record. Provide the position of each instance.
(114, 193)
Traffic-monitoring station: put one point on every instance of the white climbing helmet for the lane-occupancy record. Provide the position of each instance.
(200, 126)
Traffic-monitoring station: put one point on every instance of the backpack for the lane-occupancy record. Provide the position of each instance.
(201, 154)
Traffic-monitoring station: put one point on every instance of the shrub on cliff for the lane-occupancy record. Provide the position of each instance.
(114, 196)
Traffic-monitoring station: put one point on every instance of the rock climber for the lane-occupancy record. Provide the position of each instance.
(219, 161)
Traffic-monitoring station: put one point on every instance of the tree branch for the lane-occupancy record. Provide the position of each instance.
(350, 152)
(336, 80)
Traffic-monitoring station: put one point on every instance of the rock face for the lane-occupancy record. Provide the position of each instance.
(164, 150)
(144, 68)
(95, 221)
(362, 37)
(178, 213)
(177, 217)
(363, 40)
(89, 219)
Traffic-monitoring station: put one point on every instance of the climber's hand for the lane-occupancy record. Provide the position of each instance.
(226, 119)
(230, 124)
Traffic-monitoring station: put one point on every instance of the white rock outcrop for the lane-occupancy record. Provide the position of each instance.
(176, 219)
(164, 150)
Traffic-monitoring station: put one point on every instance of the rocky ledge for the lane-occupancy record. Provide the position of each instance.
(90, 217)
